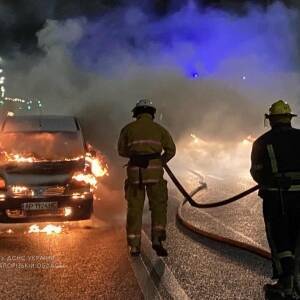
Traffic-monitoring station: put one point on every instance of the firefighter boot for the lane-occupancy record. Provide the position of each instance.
(282, 289)
(134, 244)
(297, 286)
(158, 247)
(297, 277)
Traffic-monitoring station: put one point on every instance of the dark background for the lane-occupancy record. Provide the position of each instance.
(21, 19)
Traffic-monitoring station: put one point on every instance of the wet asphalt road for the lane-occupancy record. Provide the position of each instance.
(210, 270)
(79, 263)
(88, 260)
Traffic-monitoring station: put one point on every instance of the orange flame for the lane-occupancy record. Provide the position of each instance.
(97, 168)
(87, 178)
(22, 158)
(19, 158)
(95, 165)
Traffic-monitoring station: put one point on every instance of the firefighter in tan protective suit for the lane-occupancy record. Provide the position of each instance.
(148, 146)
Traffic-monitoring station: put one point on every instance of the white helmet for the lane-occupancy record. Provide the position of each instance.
(143, 104)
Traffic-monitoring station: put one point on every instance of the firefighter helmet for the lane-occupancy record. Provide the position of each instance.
(144, 103)
(280, 108)
(143, 106)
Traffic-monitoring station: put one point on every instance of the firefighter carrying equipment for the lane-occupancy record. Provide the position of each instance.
(235, 243)
(143, 142)
(275, 160)
(192, 202)
(286, 180)
(276, 168)
(148, 146)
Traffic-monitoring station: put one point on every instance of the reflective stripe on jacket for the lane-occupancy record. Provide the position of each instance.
(144, 137)
(275, 155)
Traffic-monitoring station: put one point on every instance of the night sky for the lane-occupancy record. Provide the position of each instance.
(21, 19)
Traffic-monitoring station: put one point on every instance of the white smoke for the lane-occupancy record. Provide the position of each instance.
(98, 69)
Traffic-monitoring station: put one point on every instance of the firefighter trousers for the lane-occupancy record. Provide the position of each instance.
(282, 220)
(158, 197)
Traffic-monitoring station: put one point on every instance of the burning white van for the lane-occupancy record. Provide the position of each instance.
(45, 170)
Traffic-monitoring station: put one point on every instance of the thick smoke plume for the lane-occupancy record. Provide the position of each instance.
(210, 72)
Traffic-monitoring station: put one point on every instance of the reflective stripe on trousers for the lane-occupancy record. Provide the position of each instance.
(134, 239)
(133, 236)
(285, 254)
(158, 233)
(158, 196)
(158, 227)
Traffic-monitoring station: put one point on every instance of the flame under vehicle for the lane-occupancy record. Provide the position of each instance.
(41, 159)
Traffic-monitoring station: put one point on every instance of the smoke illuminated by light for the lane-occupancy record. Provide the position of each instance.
(216, 160)
(248, 140)
(106, 62)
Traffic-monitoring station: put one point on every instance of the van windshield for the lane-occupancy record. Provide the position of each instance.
(30, 147)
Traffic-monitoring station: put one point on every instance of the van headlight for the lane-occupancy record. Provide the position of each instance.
(20, 191)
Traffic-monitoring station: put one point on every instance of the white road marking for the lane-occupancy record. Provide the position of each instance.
(167, 279)
(144, 280)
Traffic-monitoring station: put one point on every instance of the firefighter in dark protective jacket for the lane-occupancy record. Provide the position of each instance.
(148, 146)
(276, 168)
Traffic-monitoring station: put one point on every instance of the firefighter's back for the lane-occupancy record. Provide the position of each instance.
(145, 136)
(286, 144)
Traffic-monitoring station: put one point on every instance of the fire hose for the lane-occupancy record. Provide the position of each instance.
(192, 228)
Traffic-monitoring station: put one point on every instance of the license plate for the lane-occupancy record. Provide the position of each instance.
(39, 205)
